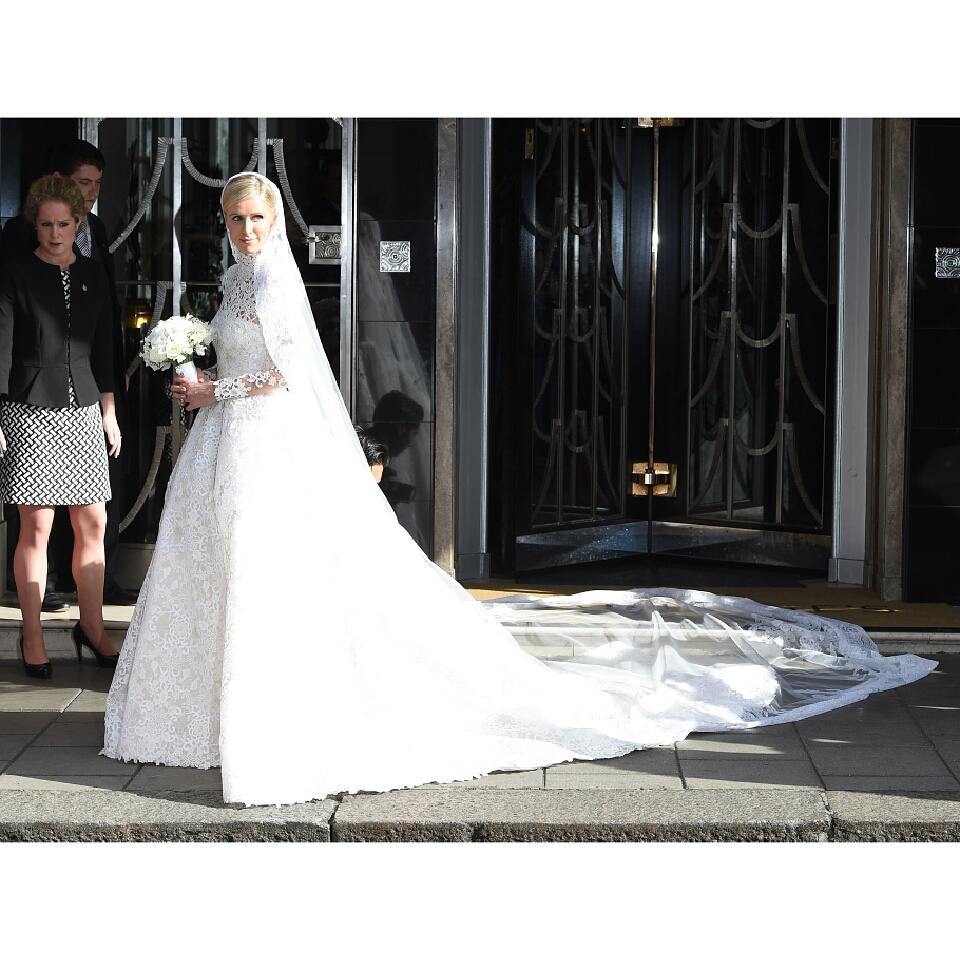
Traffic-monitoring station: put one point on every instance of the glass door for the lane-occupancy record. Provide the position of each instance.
(160, 206)
(677, 331)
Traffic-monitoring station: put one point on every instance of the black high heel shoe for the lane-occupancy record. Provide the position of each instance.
(42, 671)
(103, 659)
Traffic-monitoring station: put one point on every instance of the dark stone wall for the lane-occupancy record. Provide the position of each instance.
(932, 498)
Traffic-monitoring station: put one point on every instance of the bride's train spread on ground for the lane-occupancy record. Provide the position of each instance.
(727, 662)
(395, 676)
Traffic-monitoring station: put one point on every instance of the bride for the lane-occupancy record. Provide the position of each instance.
(397, 677)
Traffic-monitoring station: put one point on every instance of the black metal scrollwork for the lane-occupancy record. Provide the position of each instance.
(739, 379)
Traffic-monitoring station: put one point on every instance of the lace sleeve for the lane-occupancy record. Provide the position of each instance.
(234, 388)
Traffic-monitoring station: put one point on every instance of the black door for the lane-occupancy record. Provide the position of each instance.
(663, 340)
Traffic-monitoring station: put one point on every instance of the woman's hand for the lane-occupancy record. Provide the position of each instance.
(112, 429)
(192, 395)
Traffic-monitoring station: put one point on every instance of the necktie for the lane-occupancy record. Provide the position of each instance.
(83, 238)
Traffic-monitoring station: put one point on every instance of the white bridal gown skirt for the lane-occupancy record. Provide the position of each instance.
(308, 651)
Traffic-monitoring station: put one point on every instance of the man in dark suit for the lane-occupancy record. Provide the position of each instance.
(84, 164)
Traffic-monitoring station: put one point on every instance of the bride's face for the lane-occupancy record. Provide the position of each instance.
(249, 223)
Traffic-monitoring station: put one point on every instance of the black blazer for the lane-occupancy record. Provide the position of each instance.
(19, 237)
(33, 332)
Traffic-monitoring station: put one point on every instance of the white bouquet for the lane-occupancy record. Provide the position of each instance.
(175, 342)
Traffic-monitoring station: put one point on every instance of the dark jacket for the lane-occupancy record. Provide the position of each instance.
(33, 332)
(19, 237)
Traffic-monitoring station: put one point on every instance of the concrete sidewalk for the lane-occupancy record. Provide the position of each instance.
(883, 769)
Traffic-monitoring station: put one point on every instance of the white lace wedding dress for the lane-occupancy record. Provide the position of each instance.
(389, 674)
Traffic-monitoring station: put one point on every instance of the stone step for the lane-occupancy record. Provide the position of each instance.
(57, 629)
(98, 814)
(921, 642)
(56, 637)
(484, 815)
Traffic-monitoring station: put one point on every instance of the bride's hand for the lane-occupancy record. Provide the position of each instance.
(192, 395)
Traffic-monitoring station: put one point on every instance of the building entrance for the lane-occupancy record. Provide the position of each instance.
(666, 339)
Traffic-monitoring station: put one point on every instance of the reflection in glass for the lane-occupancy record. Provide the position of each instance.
(310, 149)
(325, 304)
(132, 153)
(146, 460)
(408, 478)
(215, 148)
(395, 357)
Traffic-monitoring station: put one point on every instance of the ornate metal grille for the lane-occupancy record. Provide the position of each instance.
(761, 323)
(167, 227)
(573, 254)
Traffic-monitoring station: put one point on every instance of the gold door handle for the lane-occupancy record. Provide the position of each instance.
(657, 480)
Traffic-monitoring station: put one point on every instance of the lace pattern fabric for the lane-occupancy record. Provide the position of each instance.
(234, 388)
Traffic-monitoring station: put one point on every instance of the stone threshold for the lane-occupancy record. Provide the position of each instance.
(478, 815)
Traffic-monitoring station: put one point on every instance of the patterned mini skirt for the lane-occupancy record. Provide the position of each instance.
(55, 455)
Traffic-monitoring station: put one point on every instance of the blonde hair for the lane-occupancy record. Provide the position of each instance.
(243, 188)
(54, 189)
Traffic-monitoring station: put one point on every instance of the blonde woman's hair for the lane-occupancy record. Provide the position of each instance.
(243, 188)
(54, 189)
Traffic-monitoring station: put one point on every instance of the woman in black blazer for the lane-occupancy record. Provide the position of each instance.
(56, 376)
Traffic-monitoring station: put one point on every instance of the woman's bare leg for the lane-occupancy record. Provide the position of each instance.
(30, 574)
(89, 521)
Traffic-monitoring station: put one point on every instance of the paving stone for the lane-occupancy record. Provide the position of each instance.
(63, 733)
(653, 769)
(152, 778)
(26, 721)
(66, 673)
(590, 815)
(949, 750)
(857, 713)
(744, 774)
(938, 721)
(947, 674)
(914, 760)
(607, 781)
(652, 760)
(12, 743)
(876, 816)
(22, 696)
(891, 784)
(59, 647)
(110, 815)
(930, 696)
(871, 732)
(62, 783)
(876, 703)
(12, 672)
(67, 760)
(781, 743)
(508, 780)
(88, 707)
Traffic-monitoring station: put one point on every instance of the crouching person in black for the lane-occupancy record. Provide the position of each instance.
(375, 452)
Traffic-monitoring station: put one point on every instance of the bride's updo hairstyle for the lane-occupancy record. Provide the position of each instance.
(244, 187)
